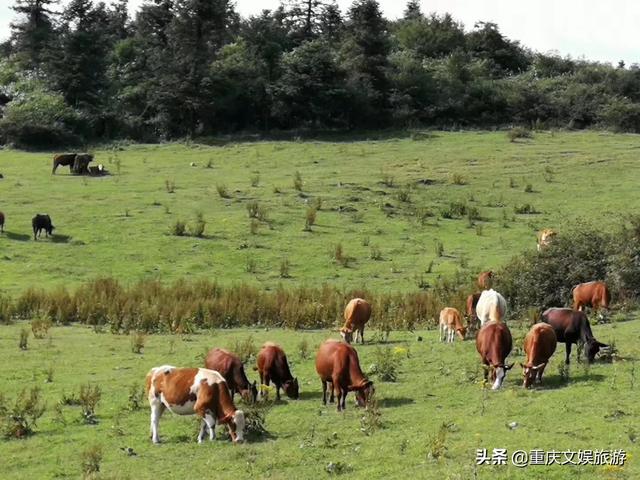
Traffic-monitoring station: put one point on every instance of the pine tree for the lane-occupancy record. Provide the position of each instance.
(33, 34)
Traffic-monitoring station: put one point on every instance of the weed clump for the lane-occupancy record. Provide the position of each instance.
(20, 419)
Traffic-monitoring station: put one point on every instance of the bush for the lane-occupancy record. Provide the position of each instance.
(255, 416)
(458, 179)
(526, 209)
(23, 342)
(40, 326)
(518, 132)
(169, 186)
(310, 218)
(297, 181)
(179, 229)
(135, 400)
(89, 398)
(6, 309)
(20, 419)
(246, 348)
(284, 268)
(90, 461)
(386, 363)
(303, 349)
(198, 227)
(222, 190)
(375, 254)
(137, 342)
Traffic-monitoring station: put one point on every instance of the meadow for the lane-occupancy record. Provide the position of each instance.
(432, 419)
(401, 211)
(390, 214)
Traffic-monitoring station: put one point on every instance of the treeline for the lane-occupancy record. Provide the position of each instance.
(184, 68)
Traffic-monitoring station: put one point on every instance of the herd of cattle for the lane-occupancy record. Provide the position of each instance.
(209, 391)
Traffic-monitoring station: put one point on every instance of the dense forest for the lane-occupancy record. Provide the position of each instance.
(87, 72)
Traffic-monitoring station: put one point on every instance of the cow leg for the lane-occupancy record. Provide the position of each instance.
(442, 333)
(156, 412)
(267, 379)
(210, 421)
(338, 390)
(324, 392)
(566, 360)
(332, 398)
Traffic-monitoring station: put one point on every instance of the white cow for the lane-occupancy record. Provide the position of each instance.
(491, 306)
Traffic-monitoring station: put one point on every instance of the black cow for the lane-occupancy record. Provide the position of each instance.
(63, 159)
(1, 222)
(41, 222)
(572, 327)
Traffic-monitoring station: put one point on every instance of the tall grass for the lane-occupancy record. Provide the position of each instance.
(150, 306)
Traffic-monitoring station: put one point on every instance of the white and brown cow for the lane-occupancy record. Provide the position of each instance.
(491, 307)
(189, 391)
(450, 324)
(356, 314)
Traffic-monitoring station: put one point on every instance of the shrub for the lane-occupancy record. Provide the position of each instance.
(284, 268)
(222, 190)
(317, 203)
(525, 209)
(245, 348)
(375, 254)
(89, 398)
(49, 374)
(250, 264)
(387, 179)
(254, 226)
(458, 179)
(252, 208)
(518, 132)
(404, 195)
(310, 218)
(179, 228)
(303, 349)
(437, 444)
(340, 257)
(255, 180)
(137, 342)
(135, 400)
(297, 181)
(386, 364)
(528, 188)
(6, 309)
(40, 326)
(20, 419)
(90, 460)
(23, 342)
(255, 416)
(371, 419)
(198, 228)
(439, 248)
(169, 186)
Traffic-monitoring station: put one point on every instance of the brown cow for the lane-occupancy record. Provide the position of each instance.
(472, 316)
(188, 391)
(539, 345)
(450, 324)
(272, 365)
(494, 345)
(231, 368)
(485, 280)
(591, 294)
(572, 326)
(356, 314)
(63, 159)
(1, 222)
(337, 363)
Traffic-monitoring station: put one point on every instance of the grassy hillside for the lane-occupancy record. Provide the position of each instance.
(382, 199)
(438, 384)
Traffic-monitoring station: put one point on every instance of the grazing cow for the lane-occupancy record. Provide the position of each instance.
(491, 306)
(572, 326)
(1, 222)
(231, 368)
(450, 324)
(494, 345)
(472, 302)
(189, 391)
(81, 163)
(39, 223)
(356, 314)
(485, 280)
(539, 345)
(591, 294)
(272, 365)
(337, 363)
(545, 237)
(63, 159)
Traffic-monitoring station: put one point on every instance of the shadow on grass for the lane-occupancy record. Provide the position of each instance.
(60, 238)
(554, 382)
(304, 395)
(395, 402)
(18, 237)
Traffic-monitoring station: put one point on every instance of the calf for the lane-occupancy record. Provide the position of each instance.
(189, 391)
(231, 368)
(272, 365)
(356, 314)
(1, 222)
(39, 223)
(63, 159)
(539, 345)
(485, 280)
(450, 324)
(337, 363)
(472, 317)
(491, 306)
(572, 326)
(591, 294)
(494, 345)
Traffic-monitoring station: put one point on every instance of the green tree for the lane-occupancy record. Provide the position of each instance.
(33, 35)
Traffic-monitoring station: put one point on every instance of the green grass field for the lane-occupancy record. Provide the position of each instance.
(387, 199)
(438, 383)
(118, 225)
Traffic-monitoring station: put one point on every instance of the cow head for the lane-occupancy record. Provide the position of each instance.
(291, 388)
(592, 348)
(497, 374)
(462, 332)
(236, 424)
(365, 393)
(347, 334)
(530, 373)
